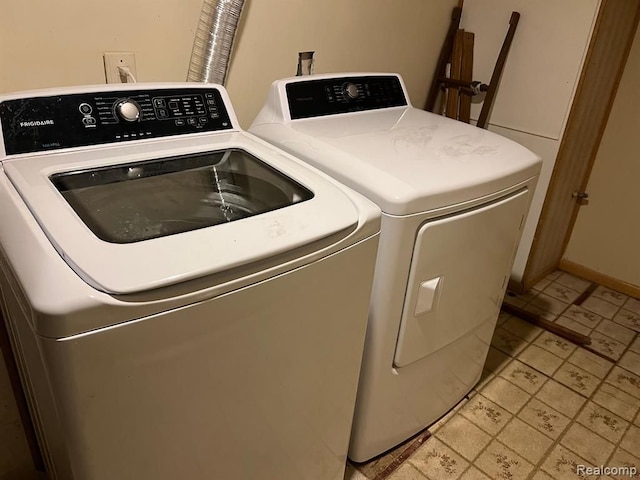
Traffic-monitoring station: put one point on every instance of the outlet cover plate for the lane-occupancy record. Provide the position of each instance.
(113, 60)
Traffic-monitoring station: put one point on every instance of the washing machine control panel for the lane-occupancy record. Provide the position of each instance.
(63, 121)
(319, 97)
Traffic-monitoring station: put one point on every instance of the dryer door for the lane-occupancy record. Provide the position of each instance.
(458, 275)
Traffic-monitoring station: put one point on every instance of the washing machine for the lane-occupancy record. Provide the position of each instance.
(183, 300)
(454, 200)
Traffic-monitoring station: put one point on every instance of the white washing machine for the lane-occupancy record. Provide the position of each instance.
(454, 199)
(183, 299)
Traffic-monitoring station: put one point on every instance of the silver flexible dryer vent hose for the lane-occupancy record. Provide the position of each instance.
(214, 40)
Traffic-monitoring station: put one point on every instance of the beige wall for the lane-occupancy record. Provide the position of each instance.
(47, 44)
(606, 237)
(52, 43)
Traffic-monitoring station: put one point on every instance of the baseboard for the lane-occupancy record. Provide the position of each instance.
(515, 286)
(600, 278)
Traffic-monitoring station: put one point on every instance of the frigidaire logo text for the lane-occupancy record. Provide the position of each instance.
(36, 123)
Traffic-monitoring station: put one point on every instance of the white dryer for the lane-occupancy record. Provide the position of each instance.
(183, 299)
(454, 199)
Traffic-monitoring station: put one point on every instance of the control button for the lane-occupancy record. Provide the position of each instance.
(162, 113)
(159, 102)
(89, 121)
(180, 122)
(350, 91)
(191, 121)
(85, 108)
(203, 119)
(208, 95)
(128, 110)
(173, 105)
(211, 102)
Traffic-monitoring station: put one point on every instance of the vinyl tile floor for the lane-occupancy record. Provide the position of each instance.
(544, 407)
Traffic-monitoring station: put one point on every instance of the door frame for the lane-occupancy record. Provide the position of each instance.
(614, 31)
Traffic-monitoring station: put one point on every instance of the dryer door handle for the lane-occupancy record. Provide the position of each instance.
(427, 298)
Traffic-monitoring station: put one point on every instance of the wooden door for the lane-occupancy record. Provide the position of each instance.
(613, 34)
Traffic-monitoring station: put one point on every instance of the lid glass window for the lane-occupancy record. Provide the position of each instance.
(139, 201)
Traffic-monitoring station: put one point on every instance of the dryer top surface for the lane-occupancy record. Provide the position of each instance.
(405, 159)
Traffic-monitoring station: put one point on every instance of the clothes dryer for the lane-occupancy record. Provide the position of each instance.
(183, 299)
(454, 199)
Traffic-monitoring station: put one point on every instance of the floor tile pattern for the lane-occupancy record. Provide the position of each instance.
(545, 406)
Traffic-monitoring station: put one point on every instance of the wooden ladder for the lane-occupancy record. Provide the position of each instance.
(453, 82)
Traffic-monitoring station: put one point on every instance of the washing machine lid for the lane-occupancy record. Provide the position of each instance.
(405, 159)
(129, 221)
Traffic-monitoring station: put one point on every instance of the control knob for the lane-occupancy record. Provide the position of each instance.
(127, 110)
(350, 91)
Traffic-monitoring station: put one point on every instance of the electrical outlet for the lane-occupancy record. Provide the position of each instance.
(113, 60)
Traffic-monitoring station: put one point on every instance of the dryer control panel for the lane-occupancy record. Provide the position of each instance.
(330, 96)
(44, 123)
